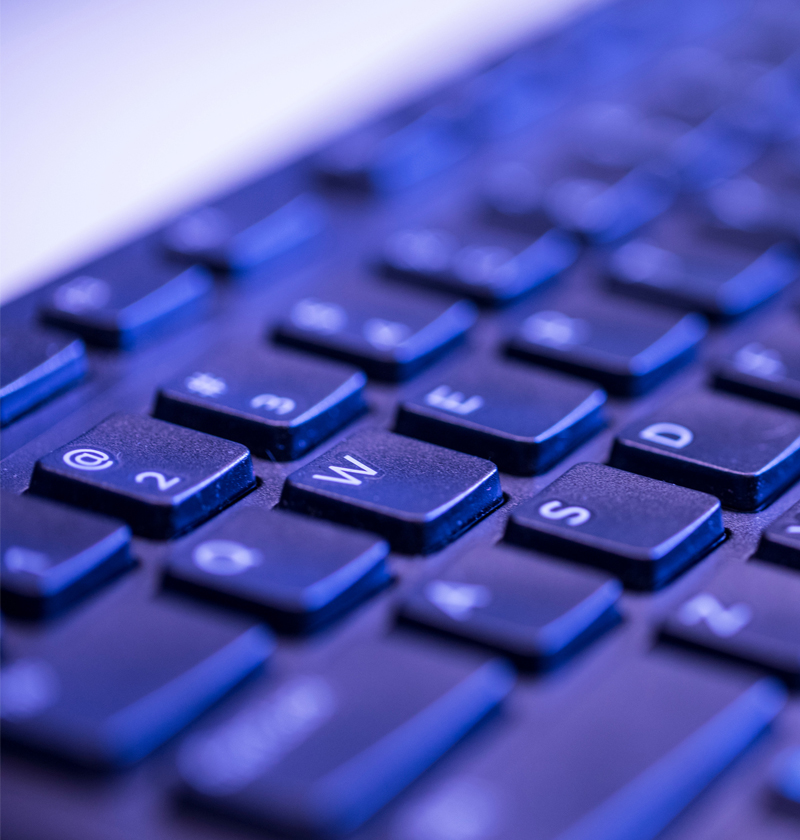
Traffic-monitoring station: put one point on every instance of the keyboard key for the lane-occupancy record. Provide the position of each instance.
(536, 610)
(786, 775)
(628, 351)
(278, 404)
(161, 479)
(743, 452)
(389, 158)
(643, 531)
(296, 572)
(246, 230)
(748, 612)
(767, 367)
(128, 297)
(53, 554)
(625, 757)
(109, 686)
(389, 334)
(36, 366)
(780, 542)
(522, 420)
(329, 747)
(721, 288)
(418, 496)
(491, 270)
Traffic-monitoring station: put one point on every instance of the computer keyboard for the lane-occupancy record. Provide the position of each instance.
(442, 485)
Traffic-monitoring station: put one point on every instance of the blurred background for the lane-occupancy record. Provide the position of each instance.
(117, 114)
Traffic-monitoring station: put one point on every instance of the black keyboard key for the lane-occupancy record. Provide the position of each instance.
(53, 554)
(418, 496)
(387, 333)
(161, 479)
(521, 419)
(643, 531)
(628, 351)
(329, 747)
(767, 367)
(537, 610)
(743, 452)
(128, 297)
(628, 755)
(277, 404)
(780, 542)
(296, 572)
(720, 287)
(246, 231)
(109, 686)
(490, 269)
(748, 612)
(36, 366)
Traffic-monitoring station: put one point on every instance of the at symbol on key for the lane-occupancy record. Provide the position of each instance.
(572, 515)
(88, 459)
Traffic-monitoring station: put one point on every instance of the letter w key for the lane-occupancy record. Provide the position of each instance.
(347, 475)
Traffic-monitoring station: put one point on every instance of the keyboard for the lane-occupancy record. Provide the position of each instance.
(442, 485)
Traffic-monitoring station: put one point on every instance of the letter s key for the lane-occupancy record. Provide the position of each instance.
(573, 515)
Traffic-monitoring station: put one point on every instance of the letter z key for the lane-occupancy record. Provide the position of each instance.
(644, 531)
(418, 496)
(161, 479)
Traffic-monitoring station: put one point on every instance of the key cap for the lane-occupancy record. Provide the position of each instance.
(490, 269)
(331, 746)
(53, 554)
(161, 479)
(278, 404)
(537, 610)
(743, 452)
(780, 542)
(628, 351)
(643, 531)
(387, 333)
(296, 572)
(36, 366)
(246, 230)
(522, 420)
(128, 297)
(109, 686)
(720, 287)
(418, 496)
(786, 775)
(389, 158)
(628, 755)
(748, 612)
(767, 367)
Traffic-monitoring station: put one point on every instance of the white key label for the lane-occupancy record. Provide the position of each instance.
(88, 459)
(270, 402)
(225, 557)
(206, 385)
(668, 434)
(572, 515)
(721, 622)
(458, 600)
(347, 475)
(449, 400)
(162, 482)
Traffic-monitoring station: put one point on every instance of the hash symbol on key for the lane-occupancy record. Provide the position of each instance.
(449, 400)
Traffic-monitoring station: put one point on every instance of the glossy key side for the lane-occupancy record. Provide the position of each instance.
(780, 541)
(161, 479)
